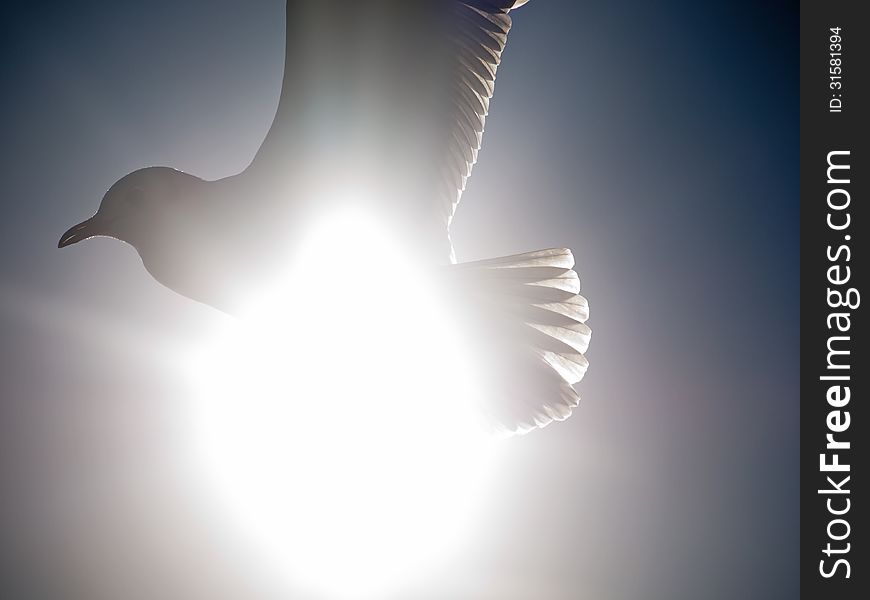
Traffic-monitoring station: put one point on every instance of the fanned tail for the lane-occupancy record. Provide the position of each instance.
(529, 322)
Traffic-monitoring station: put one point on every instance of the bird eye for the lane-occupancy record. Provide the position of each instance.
(135, 196)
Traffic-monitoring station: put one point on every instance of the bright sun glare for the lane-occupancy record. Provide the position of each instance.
(335, 425)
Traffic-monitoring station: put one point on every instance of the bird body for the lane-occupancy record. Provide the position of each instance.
(383, 107)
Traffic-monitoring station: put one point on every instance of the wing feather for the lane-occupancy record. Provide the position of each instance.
(478, 36)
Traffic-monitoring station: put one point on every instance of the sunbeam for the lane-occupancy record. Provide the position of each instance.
(336, 423)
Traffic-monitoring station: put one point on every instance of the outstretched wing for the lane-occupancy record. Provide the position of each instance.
(389, 96)
(479, 35)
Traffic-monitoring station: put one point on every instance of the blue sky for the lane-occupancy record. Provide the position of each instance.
(659, 140)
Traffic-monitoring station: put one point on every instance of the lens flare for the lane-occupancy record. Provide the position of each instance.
(335, 424)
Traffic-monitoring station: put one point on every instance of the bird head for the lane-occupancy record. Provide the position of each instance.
(133, 206)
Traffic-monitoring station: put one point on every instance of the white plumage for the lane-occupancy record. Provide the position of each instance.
(383, 106)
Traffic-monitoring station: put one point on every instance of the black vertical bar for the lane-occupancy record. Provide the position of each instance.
(835, 225)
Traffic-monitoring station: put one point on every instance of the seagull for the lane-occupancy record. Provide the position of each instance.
(382, 106)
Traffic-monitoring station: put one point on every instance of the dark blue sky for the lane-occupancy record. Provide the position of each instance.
(659, 140)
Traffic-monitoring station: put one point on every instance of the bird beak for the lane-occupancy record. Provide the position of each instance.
(84, 230)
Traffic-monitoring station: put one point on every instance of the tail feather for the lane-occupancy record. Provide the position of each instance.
(552, 257)
(531, 318)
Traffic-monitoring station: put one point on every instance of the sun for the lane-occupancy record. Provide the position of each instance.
(335, 425)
